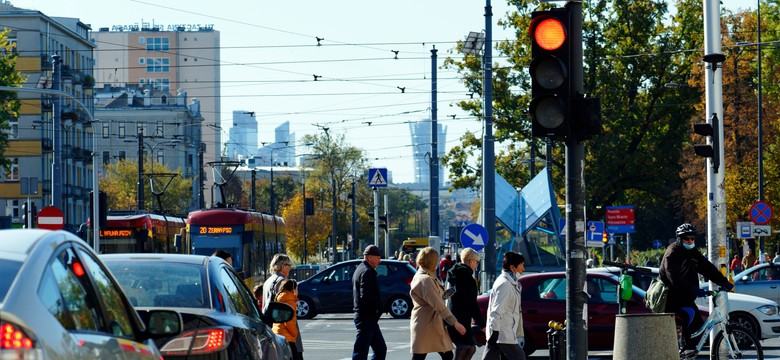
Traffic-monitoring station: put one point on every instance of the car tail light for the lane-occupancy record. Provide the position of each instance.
(409, 281)
(199, 341)
(12, 337)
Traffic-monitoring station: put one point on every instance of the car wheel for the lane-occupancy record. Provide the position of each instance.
(745, 321)
(305, 309)
(400, 307)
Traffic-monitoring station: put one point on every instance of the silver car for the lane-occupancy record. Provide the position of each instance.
(58, 301)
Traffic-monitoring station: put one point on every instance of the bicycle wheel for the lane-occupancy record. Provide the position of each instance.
(748, 344)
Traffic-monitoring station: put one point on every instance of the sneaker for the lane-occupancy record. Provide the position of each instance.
(688, 354)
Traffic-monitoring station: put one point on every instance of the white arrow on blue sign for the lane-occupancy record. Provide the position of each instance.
(474, 236)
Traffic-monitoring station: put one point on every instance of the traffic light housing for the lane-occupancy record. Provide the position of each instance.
(604, 237)
(551, 90)
(24, 215)
(383, 222)
(711, 150)
(308, 206)
(102, 208)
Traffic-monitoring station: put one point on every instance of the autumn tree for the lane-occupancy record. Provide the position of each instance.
(120, 180)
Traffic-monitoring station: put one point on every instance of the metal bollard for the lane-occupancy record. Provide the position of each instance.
(556, 340)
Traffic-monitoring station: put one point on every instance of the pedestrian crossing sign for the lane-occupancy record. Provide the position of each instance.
(377, 177)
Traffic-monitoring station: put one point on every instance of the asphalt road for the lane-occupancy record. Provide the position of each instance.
(330, 337)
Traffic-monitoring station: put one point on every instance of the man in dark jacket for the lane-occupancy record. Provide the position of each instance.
(368, 307)
(680, 268)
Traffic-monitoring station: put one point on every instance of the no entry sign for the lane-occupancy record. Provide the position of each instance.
(50, 218)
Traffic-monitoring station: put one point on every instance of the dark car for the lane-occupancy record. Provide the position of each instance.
(544, 299)
(219, 313)
(330, 290)
(58, 301)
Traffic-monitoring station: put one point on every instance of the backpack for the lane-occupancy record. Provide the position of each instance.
(655, 300)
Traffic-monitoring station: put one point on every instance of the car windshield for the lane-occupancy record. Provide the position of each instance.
(162, 284)
(8, 271)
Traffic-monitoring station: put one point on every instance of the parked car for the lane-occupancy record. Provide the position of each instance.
(544, 299)
(754, 313)
(219, 313)
(762, 280)
(58, 301)
(330, 290)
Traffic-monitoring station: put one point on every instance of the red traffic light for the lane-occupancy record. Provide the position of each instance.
(549, 34)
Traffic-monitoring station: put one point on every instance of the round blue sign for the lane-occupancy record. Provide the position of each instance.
(474, 236)
(761, 212)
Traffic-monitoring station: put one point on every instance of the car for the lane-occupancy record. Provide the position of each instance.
(759, 315)
(762, 280)
(330, 290)
(59, 301)
(219, 313)
(544, 299)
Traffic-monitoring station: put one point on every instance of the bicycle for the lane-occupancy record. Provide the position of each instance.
(731, 341)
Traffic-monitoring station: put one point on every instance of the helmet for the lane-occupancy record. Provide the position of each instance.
(685, 229)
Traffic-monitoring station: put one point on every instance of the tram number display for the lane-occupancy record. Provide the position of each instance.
(216, 230)
(116, 233)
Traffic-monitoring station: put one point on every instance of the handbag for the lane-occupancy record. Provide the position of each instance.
(655, 299)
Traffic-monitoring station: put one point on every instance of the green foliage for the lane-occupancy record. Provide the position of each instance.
(120, 180)
(9, 103)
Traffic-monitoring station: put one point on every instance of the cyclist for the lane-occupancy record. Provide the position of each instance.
(680, 267)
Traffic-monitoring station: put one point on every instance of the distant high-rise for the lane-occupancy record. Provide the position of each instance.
(281, 152)
(242, 142)
(421, 150)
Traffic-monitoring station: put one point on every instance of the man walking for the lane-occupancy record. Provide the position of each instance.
(367, 307)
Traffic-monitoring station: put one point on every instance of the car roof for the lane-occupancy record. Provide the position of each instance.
(755, 267)
(177, 258)
(17, 243)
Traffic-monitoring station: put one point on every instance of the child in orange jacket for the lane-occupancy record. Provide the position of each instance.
(288, 294)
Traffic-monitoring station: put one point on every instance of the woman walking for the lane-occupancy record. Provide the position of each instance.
(463, 303)
(505, 319)
(430, 313)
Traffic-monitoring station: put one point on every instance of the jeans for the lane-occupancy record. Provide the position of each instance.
(368, 335)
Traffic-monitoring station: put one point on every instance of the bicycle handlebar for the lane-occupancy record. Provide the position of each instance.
(626, 266)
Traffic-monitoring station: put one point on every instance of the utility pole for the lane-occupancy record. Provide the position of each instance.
(353, 228)
(140, 185)
(488, 154)
(56, 171)
(434, 164)
(252, 194)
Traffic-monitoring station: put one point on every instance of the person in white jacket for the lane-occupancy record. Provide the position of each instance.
(505, 321)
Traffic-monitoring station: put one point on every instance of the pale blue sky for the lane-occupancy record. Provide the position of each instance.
(274, 43)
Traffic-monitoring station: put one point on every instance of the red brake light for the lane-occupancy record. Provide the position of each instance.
(200, 341)
(13, 338)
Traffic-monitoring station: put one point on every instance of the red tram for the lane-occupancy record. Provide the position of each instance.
(252, 238)
(129, 232)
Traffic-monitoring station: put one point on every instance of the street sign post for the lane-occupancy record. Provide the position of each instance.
(51, 218)
(473, 236)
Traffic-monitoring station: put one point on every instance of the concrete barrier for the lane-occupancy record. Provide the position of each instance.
(645, 336)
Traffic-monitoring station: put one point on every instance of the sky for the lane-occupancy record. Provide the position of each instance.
(270, 58)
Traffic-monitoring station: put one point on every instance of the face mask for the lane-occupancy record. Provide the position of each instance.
(517, 275)
(689, 247)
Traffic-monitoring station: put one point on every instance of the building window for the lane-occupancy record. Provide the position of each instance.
(160, 129)
(13, 129)
(157, 44)
(106, 157)
(15, 211)
(106, 131)
(122, 155)
(141, 61)
(160, 156)
(13, 173)
(122, 129)
(158, 65)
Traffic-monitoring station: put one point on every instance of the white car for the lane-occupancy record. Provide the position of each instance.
(759, 315)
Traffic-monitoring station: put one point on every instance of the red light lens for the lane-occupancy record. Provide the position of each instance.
(78, 269)
(549, 34)
(13, 338)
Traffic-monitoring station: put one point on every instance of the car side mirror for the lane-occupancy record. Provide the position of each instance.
(326, 280)
(161, 323)
(278, 312)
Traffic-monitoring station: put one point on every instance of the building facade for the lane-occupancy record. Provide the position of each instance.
(32, 135)
(168, 58)
(242, 143)
(421, 148)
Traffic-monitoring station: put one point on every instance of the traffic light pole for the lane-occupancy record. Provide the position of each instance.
(576, 299)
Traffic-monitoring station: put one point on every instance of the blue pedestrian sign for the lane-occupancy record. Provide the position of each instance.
(377, 177)
(657, 244)
(474, 236)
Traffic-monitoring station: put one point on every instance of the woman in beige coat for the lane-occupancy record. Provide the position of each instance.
(430, 313)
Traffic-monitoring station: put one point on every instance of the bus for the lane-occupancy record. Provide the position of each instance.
(132, 232)
(411, 245)
(251, 238)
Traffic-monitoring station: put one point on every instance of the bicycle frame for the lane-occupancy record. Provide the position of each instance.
(718, 317)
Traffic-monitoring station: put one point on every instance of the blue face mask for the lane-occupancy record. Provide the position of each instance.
(689, 247)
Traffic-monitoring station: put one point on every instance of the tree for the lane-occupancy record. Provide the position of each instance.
(318, 227)
(120, 185)
(630, 53)
(9, 101)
